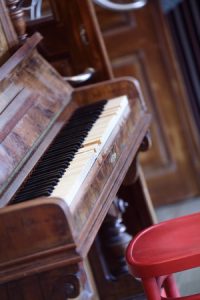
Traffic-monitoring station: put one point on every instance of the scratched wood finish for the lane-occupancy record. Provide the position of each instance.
(32, 96)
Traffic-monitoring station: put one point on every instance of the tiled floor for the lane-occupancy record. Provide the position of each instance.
(188, 281)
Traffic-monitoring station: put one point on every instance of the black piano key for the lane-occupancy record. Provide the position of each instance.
(34, 189)
(66, 144)
(43, 177)
(42, 189)
(81, 122)
(68, 141)
(59, 159)
(32, 195)
(59, 172)
(60, 153)
(76, 132)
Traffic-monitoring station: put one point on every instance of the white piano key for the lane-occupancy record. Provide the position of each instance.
(85, 157)
(73, 178)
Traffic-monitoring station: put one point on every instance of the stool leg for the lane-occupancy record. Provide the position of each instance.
(171, 287)
(151, 289)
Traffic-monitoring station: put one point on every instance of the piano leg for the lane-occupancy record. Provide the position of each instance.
(138, 215)
(114, 239)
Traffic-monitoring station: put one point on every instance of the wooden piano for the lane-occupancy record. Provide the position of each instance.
(51, 210)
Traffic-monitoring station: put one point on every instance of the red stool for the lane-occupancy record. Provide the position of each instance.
(163, 249)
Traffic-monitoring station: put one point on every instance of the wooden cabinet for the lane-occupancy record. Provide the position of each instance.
(139, 45)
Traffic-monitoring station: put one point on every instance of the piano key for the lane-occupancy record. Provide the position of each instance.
(34, 190)
(60, 156)
(73, 178)
(52, 160)
(47, 177)
(93, 133)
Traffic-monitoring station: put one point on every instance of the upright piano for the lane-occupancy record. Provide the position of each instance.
(65, 154)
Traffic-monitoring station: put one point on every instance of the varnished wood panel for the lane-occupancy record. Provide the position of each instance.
(141, 48)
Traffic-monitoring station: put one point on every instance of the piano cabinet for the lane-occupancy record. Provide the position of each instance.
(45, 242)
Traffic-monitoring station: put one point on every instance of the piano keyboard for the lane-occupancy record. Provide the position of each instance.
(66, 163)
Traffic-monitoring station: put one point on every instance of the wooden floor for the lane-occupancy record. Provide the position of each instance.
(188, 281)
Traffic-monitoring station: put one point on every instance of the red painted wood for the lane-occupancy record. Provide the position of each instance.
(166, 248)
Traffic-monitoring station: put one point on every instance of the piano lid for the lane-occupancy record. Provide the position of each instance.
(32, 96)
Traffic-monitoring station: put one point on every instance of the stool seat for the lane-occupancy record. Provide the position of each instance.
(163, 249)
(166, 248)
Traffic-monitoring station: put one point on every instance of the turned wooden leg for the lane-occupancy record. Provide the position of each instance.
(140, 213)
(114, 239)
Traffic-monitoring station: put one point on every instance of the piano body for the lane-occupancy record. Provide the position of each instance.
(44, 241)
